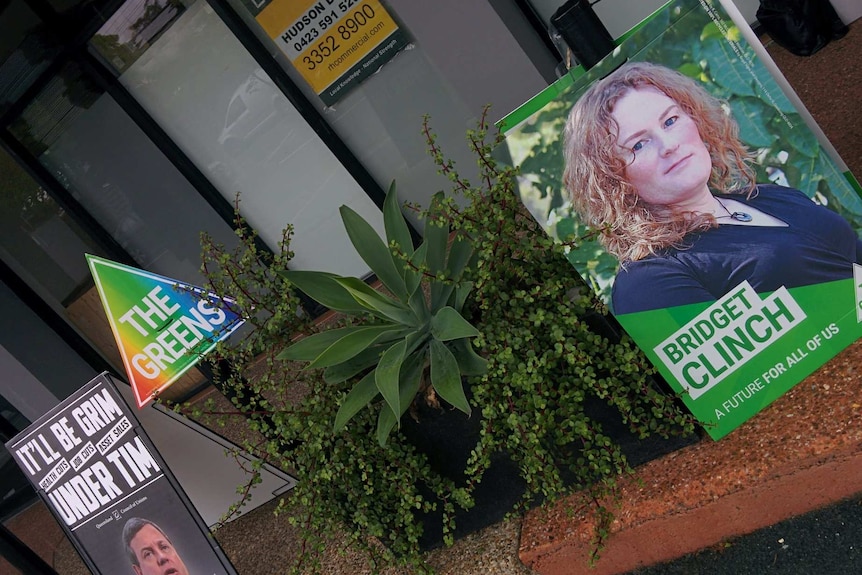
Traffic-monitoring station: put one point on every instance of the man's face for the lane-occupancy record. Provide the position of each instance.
(156, 555)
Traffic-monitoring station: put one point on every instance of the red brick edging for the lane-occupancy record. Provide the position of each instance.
(800, 453)
(813, 484)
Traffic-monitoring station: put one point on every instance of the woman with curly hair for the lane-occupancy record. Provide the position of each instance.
(654, 165)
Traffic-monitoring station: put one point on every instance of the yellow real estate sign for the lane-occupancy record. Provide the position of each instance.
(334, 44)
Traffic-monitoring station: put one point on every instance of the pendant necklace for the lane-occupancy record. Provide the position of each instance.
(738, 216)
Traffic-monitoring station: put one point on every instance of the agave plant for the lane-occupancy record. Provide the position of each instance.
(414, 341)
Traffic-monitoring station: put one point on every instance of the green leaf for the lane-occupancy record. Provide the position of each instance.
(353, 343)
(839, 187)
(446, 377)
(806, 142)
(808, 174)
(410, 379)
(691, 70)
(413, 277)
(374, 252)
(361, 395)
(469, 362)
(447, 324)
(782, 102)
(416, 340)
(459, 255)
(565, 229)
(308, 348)
(750, 114)
(355, 365)
(385, 423)
(711, 31)
(377, 303)
(440, 294)
(386, 375)
(419, 306)
(461, 292)
(725, 68)
(395, 224)
(322, 288)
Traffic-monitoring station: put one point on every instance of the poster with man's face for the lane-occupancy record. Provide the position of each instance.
(702, 206)
(92, 464)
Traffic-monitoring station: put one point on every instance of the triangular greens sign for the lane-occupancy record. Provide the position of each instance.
(162, 327)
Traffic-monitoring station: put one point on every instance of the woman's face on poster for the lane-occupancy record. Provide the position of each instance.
(668, 163)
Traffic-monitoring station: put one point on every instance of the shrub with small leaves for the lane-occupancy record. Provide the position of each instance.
(349, 488)
(545, 361)
(546, 340)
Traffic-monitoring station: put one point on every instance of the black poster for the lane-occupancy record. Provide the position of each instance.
(97, 471)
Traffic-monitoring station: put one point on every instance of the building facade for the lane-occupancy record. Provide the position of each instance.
(128, 127)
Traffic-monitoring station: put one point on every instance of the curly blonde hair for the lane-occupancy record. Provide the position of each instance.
(628, 227)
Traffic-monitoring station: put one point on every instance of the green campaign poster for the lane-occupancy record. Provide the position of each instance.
(696, 196)
(162, 327)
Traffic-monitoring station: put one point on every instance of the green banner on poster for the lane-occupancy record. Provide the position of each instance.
(704, 208)
(162, 327)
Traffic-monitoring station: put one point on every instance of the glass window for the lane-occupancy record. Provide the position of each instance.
(110, 167)
(193, 76)
(107, 163)
(462, 57)
(15, 489)
(26, 49)
(38, 239)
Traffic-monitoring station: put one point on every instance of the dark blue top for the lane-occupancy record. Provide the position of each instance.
(816, 246)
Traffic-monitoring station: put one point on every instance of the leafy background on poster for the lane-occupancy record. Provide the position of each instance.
(685, 37)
